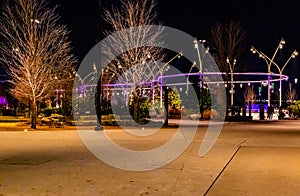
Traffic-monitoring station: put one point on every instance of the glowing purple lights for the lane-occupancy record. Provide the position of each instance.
(275, 77)
(3, 101)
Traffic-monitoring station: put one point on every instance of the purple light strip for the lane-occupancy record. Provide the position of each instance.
(283, 77)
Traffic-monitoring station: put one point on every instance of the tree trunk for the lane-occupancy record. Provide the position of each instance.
(98, 103)
(136, 105)
(34, 114)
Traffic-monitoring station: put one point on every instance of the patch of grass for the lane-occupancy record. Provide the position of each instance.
(8, 117)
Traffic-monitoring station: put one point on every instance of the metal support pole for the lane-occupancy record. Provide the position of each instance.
(269, 93)
(201, 76)
(126, 96)
(161, 92)
(202, 95)
(231, 90)
(166, 120)
(231, 66)
(153, 92)
(280, 90)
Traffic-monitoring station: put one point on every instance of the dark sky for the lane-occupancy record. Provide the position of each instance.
(265, 23)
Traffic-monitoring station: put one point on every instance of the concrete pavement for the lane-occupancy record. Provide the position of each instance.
(253, 158)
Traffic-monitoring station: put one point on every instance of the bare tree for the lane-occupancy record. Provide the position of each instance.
(138, 63)
(291, 93)
(228, 40)
(133, 65)
(36, 51)
(249, 94)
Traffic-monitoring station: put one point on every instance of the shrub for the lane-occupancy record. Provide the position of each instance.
(295, 108)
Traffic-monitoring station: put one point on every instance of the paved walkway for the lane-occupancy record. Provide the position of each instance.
(255, 158)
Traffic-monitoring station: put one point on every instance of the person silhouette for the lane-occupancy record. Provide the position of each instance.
(270, 112)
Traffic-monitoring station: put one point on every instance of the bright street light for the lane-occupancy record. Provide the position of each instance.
(280, 46)
(200, 59)
(187, 78)
(269, 63)
(293, 55)
(231, 66)
(164, 68)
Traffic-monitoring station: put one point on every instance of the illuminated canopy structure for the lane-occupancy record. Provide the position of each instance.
(245, 78)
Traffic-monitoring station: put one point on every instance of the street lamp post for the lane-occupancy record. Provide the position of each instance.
(231, 66)
(280, 46)
(162, 71)
(200, 59)
(83, 81)
(187, 78)
(280, 70)
(293, 55)
(57, 98)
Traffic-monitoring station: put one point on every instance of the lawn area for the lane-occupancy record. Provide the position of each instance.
(11, 123)
(12, 126)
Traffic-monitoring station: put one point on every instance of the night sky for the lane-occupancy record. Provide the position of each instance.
(265, 23)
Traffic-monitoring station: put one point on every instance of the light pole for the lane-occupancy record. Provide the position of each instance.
(200, 59)
(162, 70)
(187, 78)
(231, 66)
(293, 55)
(98, 103)
(280, 70)
(57, 102)
(83, 81)
(280, 46)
